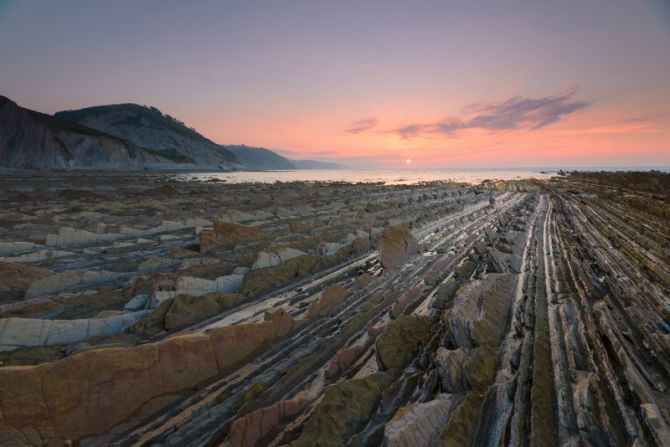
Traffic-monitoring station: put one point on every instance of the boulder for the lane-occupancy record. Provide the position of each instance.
(273, 259)
(421, 424)
(444, 298)
(497, 262)
(450, 367)
(479, 308)
(329, 248)
(199, 286)
(360, 245)
(181, 252)
(137, 302)
(296, 226)
(344, 358)
(16, 278)
(395, 246)
(330, 297)
(248, 430)
(228, 234)
(401, 340)
(282, 321)
(68, 280)
(236, 216)
(261, 280)
(169, 226)
(344, 409)
(198, 222)
(157, 263)
(188, 309)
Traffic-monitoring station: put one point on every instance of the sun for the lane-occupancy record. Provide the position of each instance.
(408, 161)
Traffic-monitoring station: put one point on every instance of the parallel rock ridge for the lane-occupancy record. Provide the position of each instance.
(94, 379)
(524, 313)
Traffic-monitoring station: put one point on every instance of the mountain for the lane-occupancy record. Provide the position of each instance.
(122, 137)
(259, 158)
(157, 132)
(313, 164)
(33, 140)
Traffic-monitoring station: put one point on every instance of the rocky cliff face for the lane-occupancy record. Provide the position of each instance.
(32, 140)
(118, 137)
(159, 133)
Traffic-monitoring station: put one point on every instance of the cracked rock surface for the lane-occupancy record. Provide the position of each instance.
(139, 310)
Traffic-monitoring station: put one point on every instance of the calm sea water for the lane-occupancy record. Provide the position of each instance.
(389, 177)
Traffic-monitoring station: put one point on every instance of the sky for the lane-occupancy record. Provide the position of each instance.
(420, 84)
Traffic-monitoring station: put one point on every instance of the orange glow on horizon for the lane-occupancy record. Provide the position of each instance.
(590, 138)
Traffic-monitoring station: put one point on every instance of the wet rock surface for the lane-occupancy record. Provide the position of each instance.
(141, 310)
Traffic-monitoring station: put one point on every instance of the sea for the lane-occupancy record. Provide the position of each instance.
(385, 176)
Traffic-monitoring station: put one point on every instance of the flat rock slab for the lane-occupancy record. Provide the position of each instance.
(27, 332)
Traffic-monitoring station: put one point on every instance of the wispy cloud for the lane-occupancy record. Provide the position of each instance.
(515, 113)
(411, 130)
(361, 125)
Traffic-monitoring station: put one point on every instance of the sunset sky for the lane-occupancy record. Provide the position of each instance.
(504, 83)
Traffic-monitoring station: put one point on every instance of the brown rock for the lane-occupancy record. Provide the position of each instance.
(296, 226)
(395, 245)
(228, 234)
(420, 424)
(363, 280)
(248, 430)
(79, 395)
(283, 322)
(330, 297)
(187, 309)
(16, 278)
(344, 358)
(450, 367)
(181, 252)
(343, 410)
(401, 340)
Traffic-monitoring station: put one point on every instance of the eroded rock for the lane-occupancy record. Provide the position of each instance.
(26, 332)
(71, 398)
(395, 246)
(330, 297)
(421, 424)
(228, 234)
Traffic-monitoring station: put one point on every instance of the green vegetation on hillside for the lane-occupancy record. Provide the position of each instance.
(151, 114)
(149, 117)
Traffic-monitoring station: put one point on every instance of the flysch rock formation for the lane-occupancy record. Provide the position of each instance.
(396, 244)
(71, 399)
(524, 313)
(421, 424)
(331, 296)
(23, 332)
(227, 234)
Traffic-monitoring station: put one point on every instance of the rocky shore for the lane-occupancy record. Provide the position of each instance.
(143, 311)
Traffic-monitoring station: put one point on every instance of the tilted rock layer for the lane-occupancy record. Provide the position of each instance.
(79, 396)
